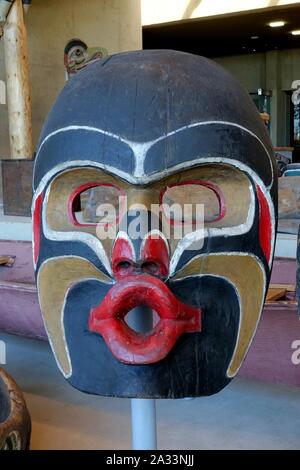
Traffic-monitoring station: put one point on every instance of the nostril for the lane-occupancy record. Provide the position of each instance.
(122, 267)
(151, 267)
(154, 255)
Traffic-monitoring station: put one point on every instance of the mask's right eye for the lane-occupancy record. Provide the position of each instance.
(181, 201)
(94, 203)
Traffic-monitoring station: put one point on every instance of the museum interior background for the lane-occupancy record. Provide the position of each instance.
(266, 60)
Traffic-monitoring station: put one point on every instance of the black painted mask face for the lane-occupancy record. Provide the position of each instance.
(153, 128)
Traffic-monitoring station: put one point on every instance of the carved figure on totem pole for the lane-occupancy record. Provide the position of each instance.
(155, 187)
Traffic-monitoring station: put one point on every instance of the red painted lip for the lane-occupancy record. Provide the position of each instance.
(129, 346)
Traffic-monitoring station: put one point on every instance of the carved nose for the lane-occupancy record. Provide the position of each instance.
(152, 259)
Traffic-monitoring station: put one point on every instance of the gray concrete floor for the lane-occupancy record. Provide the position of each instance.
(246, 415)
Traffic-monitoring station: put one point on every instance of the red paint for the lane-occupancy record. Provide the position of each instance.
(216, 190)
(84, 187)
(122, 258)
(265, 224)
(153, 259)
(155, 252)
(37, 226)
(175, 319)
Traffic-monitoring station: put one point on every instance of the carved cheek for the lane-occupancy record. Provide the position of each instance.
(37, 226)
(265, 224)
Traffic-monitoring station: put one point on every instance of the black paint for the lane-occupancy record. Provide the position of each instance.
(141, 96)
(195, 367)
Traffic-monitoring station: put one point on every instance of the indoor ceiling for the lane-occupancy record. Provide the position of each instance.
(241, 33)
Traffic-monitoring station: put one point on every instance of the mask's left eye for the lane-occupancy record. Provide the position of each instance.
(95, 203)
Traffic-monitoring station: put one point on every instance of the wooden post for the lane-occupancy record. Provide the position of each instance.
(17, 83)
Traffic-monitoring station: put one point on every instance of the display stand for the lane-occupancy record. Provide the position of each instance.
(143, 411)
(143, 424)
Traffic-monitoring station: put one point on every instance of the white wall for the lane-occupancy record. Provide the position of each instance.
(163, 11)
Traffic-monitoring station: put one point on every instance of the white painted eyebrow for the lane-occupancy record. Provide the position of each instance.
(140, 149)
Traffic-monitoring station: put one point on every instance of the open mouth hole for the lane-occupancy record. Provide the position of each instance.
(141, 319)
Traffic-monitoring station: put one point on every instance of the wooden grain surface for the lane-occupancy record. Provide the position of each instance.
(275, 294)
(17, 79)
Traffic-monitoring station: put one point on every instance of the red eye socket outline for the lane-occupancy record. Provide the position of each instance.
(213, 187)
(73, 200)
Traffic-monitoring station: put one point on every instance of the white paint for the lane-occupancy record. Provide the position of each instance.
(90, 240)
(2, 92)
(155, 233)
(62, 317)
(220, 253)
(142, 180)
(185, 242)
(63, 309)
(63, 340)
(80, 128)
(124, 236)
(47, 331)
(205, 255)
(259, 316)
(140, 149)
(33, 204)
(197, 235)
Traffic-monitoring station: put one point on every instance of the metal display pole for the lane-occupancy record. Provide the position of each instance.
(143, 411)
(143, 424)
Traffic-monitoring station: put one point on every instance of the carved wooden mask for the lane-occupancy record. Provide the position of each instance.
(140, 132)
